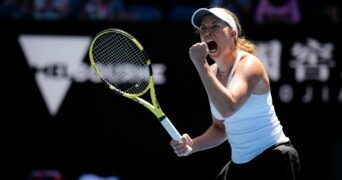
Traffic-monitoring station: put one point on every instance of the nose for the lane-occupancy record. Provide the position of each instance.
(208, 32)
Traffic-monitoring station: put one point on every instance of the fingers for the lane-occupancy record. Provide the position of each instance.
(178, 147)
(198, 52)
(182, 148)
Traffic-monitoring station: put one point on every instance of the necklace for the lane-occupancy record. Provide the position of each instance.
(222, 76)
(223, 72)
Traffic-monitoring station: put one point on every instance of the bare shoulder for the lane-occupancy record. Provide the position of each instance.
(252, 68)
(251, 63)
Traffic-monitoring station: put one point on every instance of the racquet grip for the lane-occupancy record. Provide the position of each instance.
(175, 135)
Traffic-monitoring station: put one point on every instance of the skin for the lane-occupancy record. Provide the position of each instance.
(250, 77)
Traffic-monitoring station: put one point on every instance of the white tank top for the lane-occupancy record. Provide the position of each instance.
(253, 127)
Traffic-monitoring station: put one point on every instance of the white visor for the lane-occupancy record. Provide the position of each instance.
(218, 12)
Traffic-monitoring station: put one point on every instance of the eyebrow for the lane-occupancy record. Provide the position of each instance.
(216, 21)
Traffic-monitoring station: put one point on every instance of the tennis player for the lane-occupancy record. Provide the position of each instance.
(240, 99)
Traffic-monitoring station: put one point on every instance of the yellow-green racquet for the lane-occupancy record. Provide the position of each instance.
(121, 62)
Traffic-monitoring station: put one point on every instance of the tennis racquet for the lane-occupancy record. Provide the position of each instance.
(122, 64)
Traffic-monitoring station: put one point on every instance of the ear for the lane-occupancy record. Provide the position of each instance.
(233, 33)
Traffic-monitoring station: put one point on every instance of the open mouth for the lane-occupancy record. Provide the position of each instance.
(212, 46)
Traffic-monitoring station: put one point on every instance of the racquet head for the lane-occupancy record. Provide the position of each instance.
(121, 62)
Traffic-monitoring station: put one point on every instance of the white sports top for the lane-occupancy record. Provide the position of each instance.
(254, 127)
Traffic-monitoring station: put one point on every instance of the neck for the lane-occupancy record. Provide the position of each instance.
(225, 67)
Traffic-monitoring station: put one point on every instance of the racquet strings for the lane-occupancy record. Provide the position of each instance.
(121, 62)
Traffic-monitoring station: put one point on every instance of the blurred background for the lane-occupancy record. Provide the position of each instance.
(63, 124)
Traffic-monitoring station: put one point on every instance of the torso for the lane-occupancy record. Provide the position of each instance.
(254, 127)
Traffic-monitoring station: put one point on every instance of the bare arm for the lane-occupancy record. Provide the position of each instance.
(212, 137)
(227, 100)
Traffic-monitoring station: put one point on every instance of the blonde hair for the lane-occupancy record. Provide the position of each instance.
(241, 42)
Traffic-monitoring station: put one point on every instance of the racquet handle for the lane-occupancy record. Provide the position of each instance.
(174, 133)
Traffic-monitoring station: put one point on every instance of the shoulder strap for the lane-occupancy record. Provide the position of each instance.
(236, 62)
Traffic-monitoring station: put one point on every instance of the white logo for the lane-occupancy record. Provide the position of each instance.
(54, 58)
(58, 61)
(313, 60)
(269, 53)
